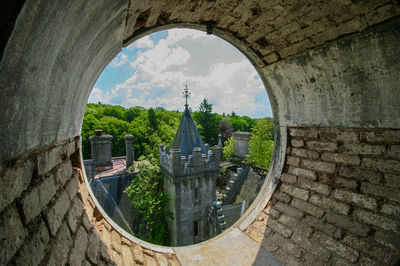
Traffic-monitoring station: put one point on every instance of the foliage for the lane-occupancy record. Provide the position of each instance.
(147, 196)
(225, 129)
(208, 122)
(228, 149)
(261, 143)
(150, 128)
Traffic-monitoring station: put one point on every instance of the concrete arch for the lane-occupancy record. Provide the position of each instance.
(332, 77)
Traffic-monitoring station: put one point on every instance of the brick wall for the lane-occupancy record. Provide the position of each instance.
(337, 201)
(48, 217)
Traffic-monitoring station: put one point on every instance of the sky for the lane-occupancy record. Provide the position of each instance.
(153, 71)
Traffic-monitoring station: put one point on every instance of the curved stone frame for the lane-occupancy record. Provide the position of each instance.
(277, 162)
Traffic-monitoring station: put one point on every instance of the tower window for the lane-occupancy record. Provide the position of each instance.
(196, 228)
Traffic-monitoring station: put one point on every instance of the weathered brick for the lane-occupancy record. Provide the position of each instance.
(341, 158)
(46, 161)
(355, 199)
(305, 153)
(297, 143)
(73, 187)
(311, 247)
(329, 204)
(75, 213)
(356, 242)
(273, 57)
(377, 220)
(392, 180)
(268, 244)
(322, 146)
(310, 260)
(389, 240)
(313, 186)
(294, 49)
(60, 249)
(394, 152)
(337, 247)
(391, 209)
(57, 212)
(78, 250)
(104, 253)
(38, 243)
(321, 225)
(286, 244)
(364, 149)
(382, 191)
(281, 229)
(295, 225)
(161, 259)
(138, 256)
(380, 14)
(362, 174)
(319, 166)
(382, 164)
(30, 204)
(294, 161)
(344, 183)
(295, 191)
(333, 134)
(281, 196)
(274, 213)
(386, 256)
(70, 148)
(308, 207)
(291, 179)
(364, 261)
(149, 260)
(64, 173)
(348, 224)
(12, 234)
(38, 198)
(302, 172)
(283, 255)
(93, 248)
(14, 181)
(289, 210)
(387, 136)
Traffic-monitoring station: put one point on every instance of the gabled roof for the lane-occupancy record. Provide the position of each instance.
(187, 137)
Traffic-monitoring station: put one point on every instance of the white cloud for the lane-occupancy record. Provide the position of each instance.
(119, 60)
(211, 67)
(144, 42)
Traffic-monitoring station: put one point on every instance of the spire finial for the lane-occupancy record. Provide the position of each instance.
(186, 93)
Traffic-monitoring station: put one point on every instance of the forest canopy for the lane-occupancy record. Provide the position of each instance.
(154, 126)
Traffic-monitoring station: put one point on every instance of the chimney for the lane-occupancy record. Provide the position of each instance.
(130, 155)
(101, 149)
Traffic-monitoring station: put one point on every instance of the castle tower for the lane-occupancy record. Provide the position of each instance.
(190, 173)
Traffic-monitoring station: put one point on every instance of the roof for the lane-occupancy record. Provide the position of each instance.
(187, 137)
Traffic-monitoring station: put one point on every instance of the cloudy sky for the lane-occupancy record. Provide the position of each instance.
(154, 70)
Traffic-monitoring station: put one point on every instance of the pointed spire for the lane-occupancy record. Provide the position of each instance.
(187, 136)
(186, 93)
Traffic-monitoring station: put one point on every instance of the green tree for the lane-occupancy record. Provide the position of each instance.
(225, 128)
(89, 125)
(152, 118)
(228, 149)
(208, 122)
(147, 196)
(261, 144)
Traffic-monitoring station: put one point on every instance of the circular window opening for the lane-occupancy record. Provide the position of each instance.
(177, 137)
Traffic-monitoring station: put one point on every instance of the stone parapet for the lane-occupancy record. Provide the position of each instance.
(176, 165)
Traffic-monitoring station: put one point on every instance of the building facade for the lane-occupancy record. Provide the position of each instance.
(190, 171)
